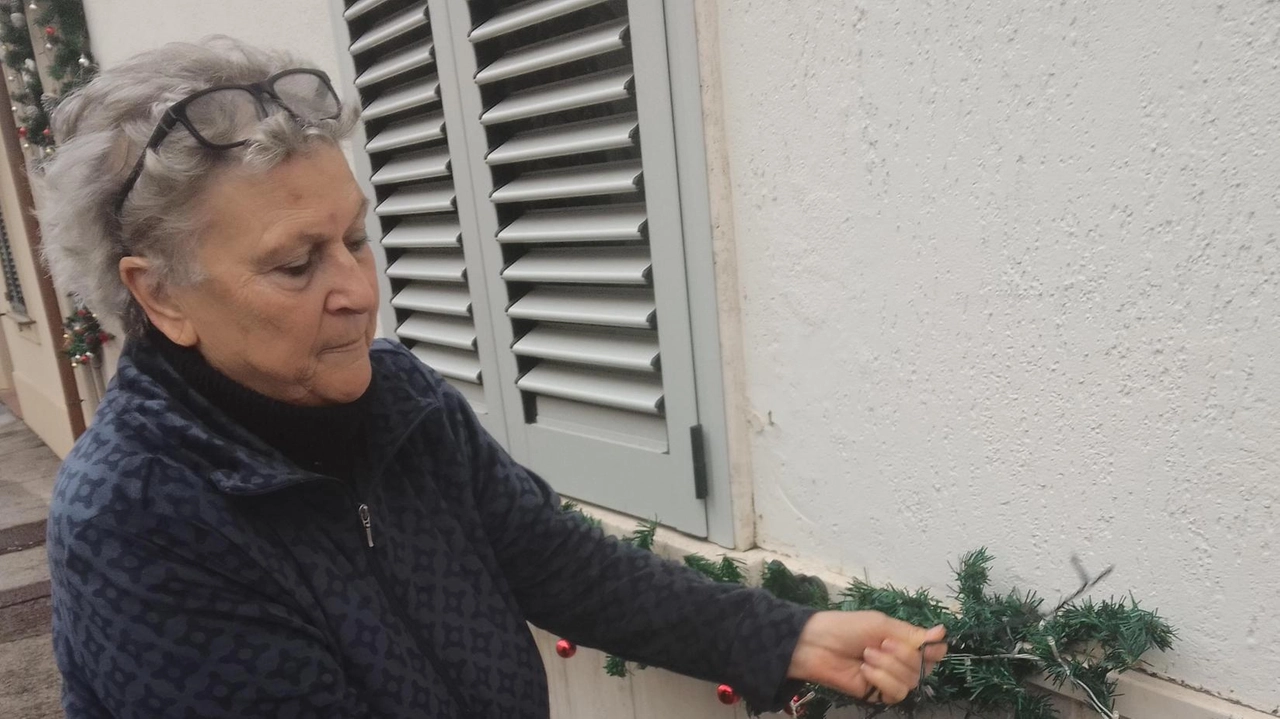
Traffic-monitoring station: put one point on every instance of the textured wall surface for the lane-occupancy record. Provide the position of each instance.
(122, 28)
(1011, 278)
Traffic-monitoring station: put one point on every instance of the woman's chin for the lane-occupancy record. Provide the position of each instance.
(344, 383)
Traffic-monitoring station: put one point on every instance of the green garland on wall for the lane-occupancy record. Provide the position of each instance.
(66, 38)
(26, 90)
(998, 642)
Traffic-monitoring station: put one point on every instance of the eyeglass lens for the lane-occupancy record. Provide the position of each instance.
(227, 116)
(224, 117)
(307, 95)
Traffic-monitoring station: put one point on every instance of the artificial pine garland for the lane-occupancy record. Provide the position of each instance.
(67, 37)
(25, 89)
(997, 642)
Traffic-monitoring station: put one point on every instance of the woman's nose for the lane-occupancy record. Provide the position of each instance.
(355, 287)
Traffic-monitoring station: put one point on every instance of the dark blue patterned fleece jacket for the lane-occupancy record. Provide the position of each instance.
(199, 573)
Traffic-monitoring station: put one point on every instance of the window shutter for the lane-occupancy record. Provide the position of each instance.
(9, 273)
(535, 246)
(432, 283)
(572, 167)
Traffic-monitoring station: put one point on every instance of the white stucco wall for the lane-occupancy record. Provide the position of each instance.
(122, 28)
(1011, 277)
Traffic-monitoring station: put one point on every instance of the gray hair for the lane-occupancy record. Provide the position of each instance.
(103, 127)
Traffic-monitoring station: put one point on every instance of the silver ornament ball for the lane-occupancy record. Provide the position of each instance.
(18, 19)
(84, 61)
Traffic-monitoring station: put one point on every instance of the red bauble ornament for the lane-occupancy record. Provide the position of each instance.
(22, 132)
(566, 648)
(50, 31)
(47, 132)
(726, 694)
(103, 337)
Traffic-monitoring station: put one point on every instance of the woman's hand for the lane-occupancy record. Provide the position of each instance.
(860, 652)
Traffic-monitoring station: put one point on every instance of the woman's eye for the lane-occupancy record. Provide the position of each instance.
(357, 244)
(298, 270)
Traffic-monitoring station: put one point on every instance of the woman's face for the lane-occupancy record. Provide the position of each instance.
(288, 301)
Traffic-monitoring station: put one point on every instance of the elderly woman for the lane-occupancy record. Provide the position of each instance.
(275, 514)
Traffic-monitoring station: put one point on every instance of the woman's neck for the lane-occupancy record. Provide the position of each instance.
(328, 440)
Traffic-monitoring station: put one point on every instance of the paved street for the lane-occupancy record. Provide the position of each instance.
(29, 684)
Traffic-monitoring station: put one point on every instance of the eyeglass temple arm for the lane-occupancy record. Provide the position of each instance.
(162, 131)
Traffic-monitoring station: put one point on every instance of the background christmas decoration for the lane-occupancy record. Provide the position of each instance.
(998, 642)
(70, 63)
(84, 337)
(67, 36)
(26, 90)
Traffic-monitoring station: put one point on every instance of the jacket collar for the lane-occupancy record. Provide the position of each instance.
(233, 459)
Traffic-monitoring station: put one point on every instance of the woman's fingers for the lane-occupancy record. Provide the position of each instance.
(906, 673)
(934, 648)
(908, 654)
(913, 646)
(892, 690)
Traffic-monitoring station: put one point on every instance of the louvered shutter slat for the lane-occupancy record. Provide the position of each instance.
(397, 63)
(562, 111)
(411, 166)
(455, 364)
(588, 224)
(610, 133)
(527, 14)
(594, 89)
(406, 133)
(361, 7)
(405, 97)
(599, 265)
(633, 393)
(445, 331)
(425, 233)
(391, 28)
(636, 353)
(590, 306)
(607, 37)
(613, 178)
(435, 268)
(394, 50)
(445, 300)
(413, 199)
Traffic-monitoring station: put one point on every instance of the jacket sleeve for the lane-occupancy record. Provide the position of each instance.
(145, 627)
(572, 580)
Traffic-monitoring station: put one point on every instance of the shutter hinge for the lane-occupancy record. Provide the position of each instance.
(699, 462)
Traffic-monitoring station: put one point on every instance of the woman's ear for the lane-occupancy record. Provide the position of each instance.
(163, 309)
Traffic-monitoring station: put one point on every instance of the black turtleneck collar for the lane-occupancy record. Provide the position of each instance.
(329, 440)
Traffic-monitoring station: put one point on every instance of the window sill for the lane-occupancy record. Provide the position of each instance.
(18, 318)
(23, 326)
(1140, 695)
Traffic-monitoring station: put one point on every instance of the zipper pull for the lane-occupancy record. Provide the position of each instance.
(367, 521)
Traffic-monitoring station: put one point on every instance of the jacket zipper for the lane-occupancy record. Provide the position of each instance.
(380, 576)
(367, 520)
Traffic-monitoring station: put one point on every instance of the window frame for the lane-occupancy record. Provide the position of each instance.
(677, 17)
